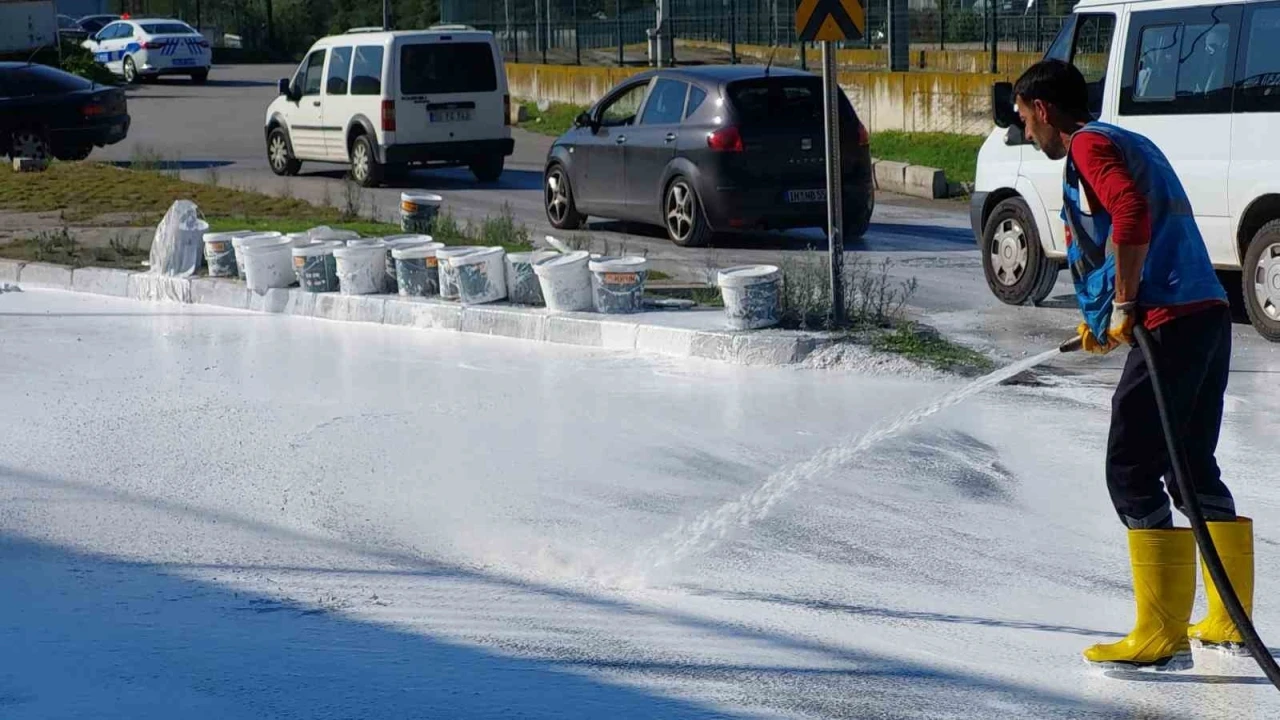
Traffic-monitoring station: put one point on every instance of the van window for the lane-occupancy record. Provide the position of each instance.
(311, 73)
(1180, 62)
(366, 70)
(1258, 89)
(339, 64)
(445, 67)
(666, 103)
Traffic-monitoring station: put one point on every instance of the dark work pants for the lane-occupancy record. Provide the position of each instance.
(1195, 357)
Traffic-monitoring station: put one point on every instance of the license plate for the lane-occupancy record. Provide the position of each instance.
(184, 62)
(806, 196)
(449, 116)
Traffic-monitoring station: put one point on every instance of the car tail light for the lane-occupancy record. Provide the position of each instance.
(726, 139)
(388, 115)
(864, 138)
(506, 108)
(152, 45)
(93, 110)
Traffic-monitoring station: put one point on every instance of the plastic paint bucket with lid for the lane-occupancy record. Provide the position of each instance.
(362, 269)
(522, 282)
(482, 276)
(751, 297)
(565, 281)
(394, 242)
(238, 239)
(316, 267)
(617, 284)
(449, 274)
(418, 210)
(417, 270)
(220, 253)
(268, 263)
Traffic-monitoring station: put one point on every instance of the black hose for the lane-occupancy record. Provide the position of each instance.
(1191, 506)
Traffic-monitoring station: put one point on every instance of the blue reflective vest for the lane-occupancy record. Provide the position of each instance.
(1177, 270)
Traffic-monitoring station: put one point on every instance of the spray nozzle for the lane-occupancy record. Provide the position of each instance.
(1072, 345)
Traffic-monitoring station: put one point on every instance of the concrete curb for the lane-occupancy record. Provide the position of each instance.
(914, 180)
(645, 333)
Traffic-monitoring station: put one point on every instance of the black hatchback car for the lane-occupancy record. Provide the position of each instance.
(45, 111)
(709, 149)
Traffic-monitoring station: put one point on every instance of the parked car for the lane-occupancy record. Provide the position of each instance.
(138, 49)
(47, 112)
(70, 31)
(1203, 82)
(701, 150)
(93, 23)
(384, 101)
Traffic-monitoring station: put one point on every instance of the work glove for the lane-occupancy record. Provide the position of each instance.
(1090, 343)
(1119, 332)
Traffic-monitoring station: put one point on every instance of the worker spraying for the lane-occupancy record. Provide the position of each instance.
(1137, 258)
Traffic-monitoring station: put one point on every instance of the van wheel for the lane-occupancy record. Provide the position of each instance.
(1261, 281)
(280, 153)
(488, 169)
(1014, 262)
(365, 169)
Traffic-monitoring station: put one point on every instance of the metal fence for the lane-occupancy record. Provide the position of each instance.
(568, 30)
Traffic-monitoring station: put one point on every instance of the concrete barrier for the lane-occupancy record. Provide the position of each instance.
(926, 181)
(45, 275)
(922, 58)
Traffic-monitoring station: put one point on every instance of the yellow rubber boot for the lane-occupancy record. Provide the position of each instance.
(1234, 541)
(1164, 591)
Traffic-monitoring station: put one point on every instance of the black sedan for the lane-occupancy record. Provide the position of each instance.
(703, 150)
(47, 112)
(93, 23)
(70, 31)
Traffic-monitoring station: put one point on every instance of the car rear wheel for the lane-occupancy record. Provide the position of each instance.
(686, 225)
(488, 169)
(365, 169)
(30, 143)
(130, 71)
(200, 78)
(280, 153)
(1261, 281)
(562, 212)
(1014, 262)
(857, 215)
(72, 153)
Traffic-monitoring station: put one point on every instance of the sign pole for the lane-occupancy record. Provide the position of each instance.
(835, 209)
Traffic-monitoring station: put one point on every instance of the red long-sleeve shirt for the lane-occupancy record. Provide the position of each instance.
(1108, 185)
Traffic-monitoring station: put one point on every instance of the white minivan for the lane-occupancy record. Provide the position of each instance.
(385, 101)
(1203, 82)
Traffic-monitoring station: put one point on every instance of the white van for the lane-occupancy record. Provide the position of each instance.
(1203, 82)
(383, 101)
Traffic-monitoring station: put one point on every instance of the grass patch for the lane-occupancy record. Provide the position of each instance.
(956, 154)
(872, 298)
(555, 120)
(932, 349)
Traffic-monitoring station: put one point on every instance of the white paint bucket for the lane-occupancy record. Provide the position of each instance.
(316, 267)
(418, 210)
(238, 239)
(399, 241)
(324, 232)
(482, 276)
(617, 284)
(449, 274)
(220, 253)
(268, 263)
(417, 270)
(751, 297)
(299, 239)
(362, 269)
(565, 281)
(522, 282)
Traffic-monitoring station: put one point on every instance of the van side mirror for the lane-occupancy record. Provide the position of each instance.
(1003, 110)
(283, 86)
(583, 120)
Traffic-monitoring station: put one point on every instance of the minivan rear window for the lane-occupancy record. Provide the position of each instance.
(447, 67)
(780, 102)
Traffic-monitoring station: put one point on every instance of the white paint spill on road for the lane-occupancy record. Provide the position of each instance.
(709, 529)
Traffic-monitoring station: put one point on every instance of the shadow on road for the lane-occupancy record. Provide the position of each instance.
(881, 237)
(172, 165)
(446, 179)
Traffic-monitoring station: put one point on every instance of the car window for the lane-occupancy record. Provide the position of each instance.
(1180, 62)
(125, 31)
(312, 71)
(1258, 87)
(170, 28)
(696, 97)
(108, 32)
(666, 103)
(622, 109)
(444, 68)
(44, 80)
(366, 70)
(339, 67)
(66, 23)
(777, 102)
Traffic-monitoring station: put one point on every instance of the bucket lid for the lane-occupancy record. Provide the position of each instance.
(455, 251)
(529, 258)
(395, 241)
(224, 236)
(350, 250)
(421, 250)
(559, 262)
(323, 247)
(421, 198)
(238, 240)
(362, 242)
(747, 275)
(252, 241)
(480, 255)
(618, 264)
(327, 233)
(263, 245)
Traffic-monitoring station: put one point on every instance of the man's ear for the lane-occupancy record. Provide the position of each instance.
(1043, 111)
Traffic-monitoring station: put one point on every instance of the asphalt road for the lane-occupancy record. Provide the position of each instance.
(215, 132)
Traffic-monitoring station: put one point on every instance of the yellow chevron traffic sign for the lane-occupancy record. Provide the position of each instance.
(830, 20)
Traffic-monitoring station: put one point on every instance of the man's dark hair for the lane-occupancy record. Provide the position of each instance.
(1056, 83)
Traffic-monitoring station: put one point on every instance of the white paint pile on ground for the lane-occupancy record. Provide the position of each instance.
(248, 516)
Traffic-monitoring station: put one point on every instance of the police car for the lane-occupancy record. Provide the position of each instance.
(136, 48)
